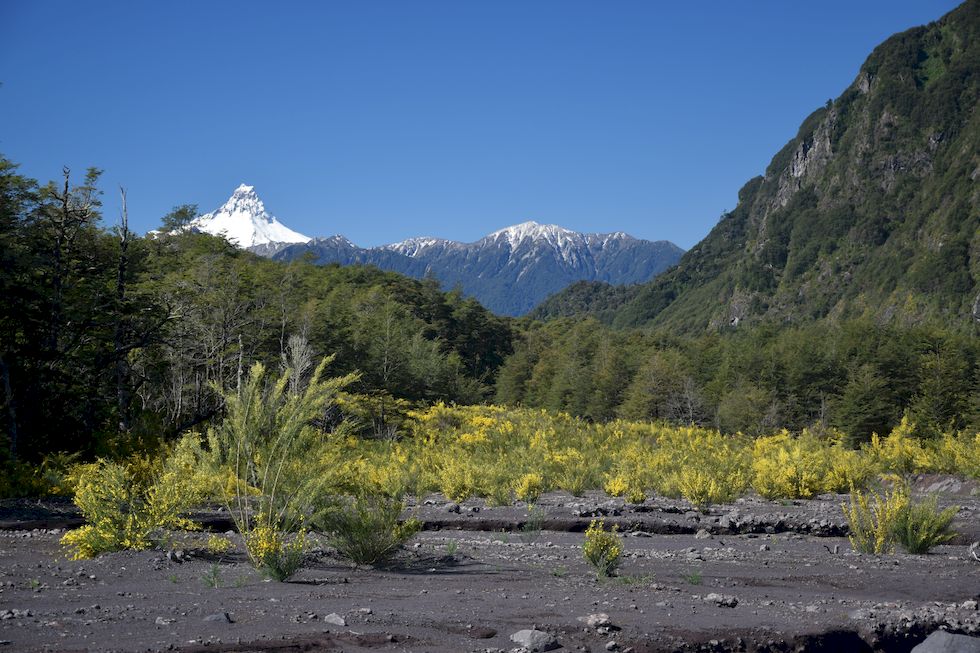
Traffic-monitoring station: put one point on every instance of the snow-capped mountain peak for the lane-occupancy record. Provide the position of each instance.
(413, 246)
(244, 221)
(535, 232)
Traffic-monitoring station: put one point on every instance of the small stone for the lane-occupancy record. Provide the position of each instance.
(969, 605)
(161, 621)
(335, 619)
(453, 507)
(722, 600)
(535, 640)
(219, 617)
(764, 547)
(611, 645)
(595, 620)
(702, 534)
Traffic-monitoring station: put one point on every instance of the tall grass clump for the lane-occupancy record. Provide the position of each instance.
(278, 460)
(879, 522)
(921, 526)
(367, 529)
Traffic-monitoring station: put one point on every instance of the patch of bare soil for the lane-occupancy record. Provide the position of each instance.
(752, 576)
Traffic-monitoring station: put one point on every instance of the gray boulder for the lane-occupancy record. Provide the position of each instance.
(943, 642)
(535, 640)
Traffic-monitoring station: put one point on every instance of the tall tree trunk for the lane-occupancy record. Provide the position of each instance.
(119, 337)
(11, 407)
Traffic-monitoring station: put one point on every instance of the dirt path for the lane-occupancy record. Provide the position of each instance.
(733, 586)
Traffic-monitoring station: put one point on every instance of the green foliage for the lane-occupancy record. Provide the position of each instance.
(872, 519)
(856, 376)
(279, 462)
(880, 521)
(367, 529)
(868, 212)
(922, 526)
(126, 508)
(110, 345)
(602, 549)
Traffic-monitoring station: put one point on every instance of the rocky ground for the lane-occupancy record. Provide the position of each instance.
(755, 575)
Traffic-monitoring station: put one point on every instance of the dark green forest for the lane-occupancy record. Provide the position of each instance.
(112, 344)
(842, 291)
(857, 376)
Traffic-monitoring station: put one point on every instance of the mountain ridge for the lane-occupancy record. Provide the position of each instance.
(509, 270)
(871, 211)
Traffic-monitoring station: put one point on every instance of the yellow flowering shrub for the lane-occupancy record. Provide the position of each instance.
(901, 452)
(273, 553)
(602, 549)
(130, 507)
(529, 487)
(873, 518)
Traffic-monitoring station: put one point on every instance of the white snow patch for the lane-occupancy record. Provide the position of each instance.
(243, 221)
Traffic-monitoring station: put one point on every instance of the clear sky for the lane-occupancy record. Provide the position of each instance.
(382, 120)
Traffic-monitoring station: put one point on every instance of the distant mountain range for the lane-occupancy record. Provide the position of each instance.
(871, 212)
(509, 271)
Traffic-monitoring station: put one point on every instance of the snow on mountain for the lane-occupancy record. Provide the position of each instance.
(511, 270)
(556, 236)
(415, 246)
(244, 221)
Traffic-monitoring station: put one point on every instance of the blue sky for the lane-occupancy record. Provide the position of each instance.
(384, 120)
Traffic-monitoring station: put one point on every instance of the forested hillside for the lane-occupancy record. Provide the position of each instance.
(857, 376)
(871, 211)
(111, 343)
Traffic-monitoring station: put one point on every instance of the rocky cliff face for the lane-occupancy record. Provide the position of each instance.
(872, 210)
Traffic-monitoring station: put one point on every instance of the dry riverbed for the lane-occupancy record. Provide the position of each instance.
(755, 575)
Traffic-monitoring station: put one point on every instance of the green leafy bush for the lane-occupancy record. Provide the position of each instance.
(279, 463)
(921, 526)
(367, 529)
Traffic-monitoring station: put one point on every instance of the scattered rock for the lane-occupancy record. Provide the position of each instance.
(721, 600)
(219, 617)
(535, 640)
(163, 621)
(335, 619)
(764, 547)
(453, 507)
(943, 642)
(611, 645)
(596, 620)
(702, 534)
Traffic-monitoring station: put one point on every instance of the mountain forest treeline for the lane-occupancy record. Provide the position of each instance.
(113, 344)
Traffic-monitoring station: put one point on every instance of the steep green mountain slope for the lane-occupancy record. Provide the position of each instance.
(872, 210)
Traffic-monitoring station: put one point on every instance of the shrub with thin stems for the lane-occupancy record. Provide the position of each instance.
(131, 506)
(366, 529)
(872, 517)
(921, 526)
(278, 461)
(602, 549)
(880, 521)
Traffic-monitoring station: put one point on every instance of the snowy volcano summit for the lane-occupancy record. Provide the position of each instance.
(244, 221)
